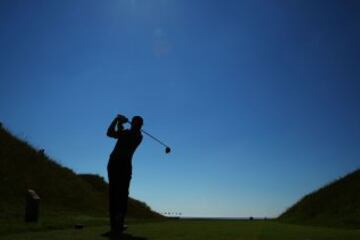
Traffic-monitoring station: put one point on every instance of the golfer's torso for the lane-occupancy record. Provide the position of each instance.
(124, 149)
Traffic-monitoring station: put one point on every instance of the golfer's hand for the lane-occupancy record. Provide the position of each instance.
(121, 118)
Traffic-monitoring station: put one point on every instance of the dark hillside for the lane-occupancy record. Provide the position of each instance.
(335, 205)
(22, 167)
(136, 208)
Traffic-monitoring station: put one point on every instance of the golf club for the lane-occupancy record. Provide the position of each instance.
(167, 148)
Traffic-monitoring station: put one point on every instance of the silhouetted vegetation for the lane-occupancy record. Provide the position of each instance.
(61, 190)
(335, 205)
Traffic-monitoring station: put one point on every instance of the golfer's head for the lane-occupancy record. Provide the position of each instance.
(137, 122)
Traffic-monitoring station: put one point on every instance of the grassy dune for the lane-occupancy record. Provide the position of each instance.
(334, 205)
(65, 196)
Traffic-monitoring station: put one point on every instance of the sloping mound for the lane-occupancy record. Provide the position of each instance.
(22, 167)
(136, 208)
(335, 205)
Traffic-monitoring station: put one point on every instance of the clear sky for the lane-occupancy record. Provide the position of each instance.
(259, 100)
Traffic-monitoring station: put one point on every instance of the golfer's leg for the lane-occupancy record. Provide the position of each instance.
(126, 194)
(115, 201)
(111, 200)
(124, 198)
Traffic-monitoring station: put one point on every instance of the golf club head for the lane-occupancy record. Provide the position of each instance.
(167, 150)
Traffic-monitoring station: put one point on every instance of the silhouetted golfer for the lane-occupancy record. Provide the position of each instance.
(120, 168)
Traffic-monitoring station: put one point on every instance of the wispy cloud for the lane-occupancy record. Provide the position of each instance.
(161, 44)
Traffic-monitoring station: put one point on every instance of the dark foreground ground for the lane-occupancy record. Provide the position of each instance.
(191, 230)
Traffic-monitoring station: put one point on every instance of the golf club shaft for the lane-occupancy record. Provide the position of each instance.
(154, 138)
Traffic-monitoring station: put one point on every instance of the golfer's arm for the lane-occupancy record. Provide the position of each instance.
(111, 132)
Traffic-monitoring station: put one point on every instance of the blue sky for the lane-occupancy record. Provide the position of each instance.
(258, 99)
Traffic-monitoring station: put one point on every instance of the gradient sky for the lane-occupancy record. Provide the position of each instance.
(258, 99)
